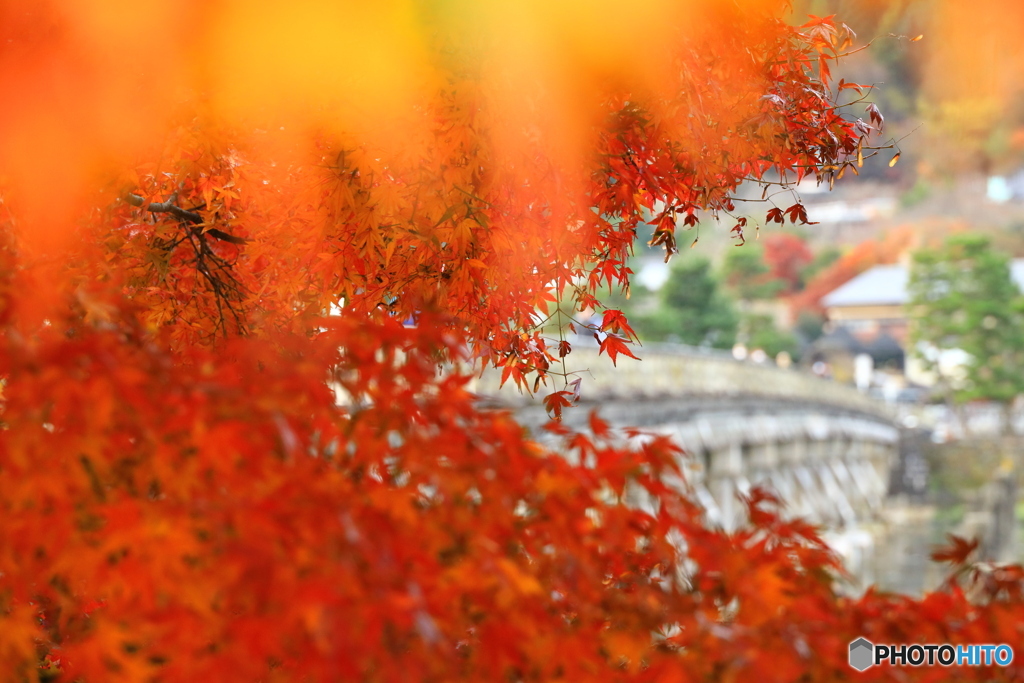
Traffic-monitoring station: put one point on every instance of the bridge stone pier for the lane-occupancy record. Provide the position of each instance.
(826, 449)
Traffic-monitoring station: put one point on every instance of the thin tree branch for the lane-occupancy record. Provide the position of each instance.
(181, 214)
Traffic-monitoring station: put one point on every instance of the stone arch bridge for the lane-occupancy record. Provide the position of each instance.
(827, 449)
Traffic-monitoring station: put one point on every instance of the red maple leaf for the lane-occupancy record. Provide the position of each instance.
(613, 345)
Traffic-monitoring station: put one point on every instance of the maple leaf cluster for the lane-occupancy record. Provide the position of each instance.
(236, 443)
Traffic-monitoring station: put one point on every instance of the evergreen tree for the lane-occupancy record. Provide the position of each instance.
(748, 276)
(963, 298)
(692, 309)
(761, 333)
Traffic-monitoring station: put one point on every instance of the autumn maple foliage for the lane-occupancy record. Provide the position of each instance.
(865, 255)
(246, 251)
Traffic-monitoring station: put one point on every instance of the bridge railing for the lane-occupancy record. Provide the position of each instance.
(671, 370)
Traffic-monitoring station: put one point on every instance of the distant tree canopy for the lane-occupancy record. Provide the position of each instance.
(963, 298)
(774, 266)
(760, 332)
(787, 257)
(693, 309)
(746, 274)
(967, 93)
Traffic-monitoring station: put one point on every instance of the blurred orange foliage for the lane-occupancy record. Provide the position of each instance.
(242, 248)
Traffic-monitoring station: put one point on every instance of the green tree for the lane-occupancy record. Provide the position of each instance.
(747, 276)
(809, 326)
(963, 298)
(761, 333)
(692, 308)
